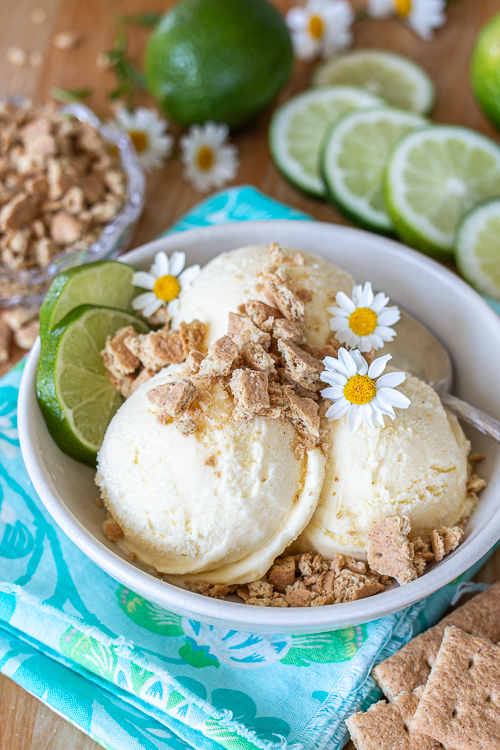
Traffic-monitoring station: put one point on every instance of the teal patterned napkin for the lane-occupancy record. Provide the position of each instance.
(136, 677)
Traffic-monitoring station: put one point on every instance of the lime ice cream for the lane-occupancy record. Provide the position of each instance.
(224, 501)
(415, 466)
(231, 279)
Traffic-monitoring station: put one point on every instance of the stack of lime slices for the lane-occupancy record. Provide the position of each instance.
(360, 138)
(83, 307)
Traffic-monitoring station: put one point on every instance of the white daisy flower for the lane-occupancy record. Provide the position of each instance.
(209, 161)
(321, 27)
(363, 321)
(147, 131)
(358, 390)
(167, 277)
(423, 16)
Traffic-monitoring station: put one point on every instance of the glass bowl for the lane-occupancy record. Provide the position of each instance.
(28, 286)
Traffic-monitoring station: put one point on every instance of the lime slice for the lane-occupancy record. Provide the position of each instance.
(396, 79)
(485, 69)
(354, 157)
(75, 396)
(298, 128)
(435, 175)
(477, 250)
(106, 282)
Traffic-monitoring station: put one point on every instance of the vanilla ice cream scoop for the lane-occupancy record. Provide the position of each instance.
(227, 499)
(231, 279)
(414, 466)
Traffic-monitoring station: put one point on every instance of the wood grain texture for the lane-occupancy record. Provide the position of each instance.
(25, 723)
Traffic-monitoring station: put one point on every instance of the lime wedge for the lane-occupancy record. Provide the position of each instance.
(399, 81)
(106, 282)
(477, 250)
(354, 157)
(75, 396)
(298, 128)
(435, 175)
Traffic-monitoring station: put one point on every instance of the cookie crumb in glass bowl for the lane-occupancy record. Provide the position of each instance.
(71, 191)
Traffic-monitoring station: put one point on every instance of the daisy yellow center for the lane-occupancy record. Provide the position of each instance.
(139, 139)
(403, 7)
(167, 288)
(316, 27)
(205, 158)
(360, 389)
(363, 321)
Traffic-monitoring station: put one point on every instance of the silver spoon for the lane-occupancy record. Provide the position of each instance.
(416, 350)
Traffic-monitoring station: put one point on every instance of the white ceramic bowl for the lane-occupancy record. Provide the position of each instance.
(442, 301)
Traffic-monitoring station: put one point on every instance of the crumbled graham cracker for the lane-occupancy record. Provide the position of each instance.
(249, 389)
(298, 596)
(288, 330)
(193, 362)
(186, 425)
(173, 398)
(113, 531)
(389, 551)
(118, 358)
(260, 589)
(444, 540)
(301, 366)
(243, 330)
(349, 586)
(192, 335)
(475, 458)
(256, 357)
(141, 378)
(219, 359)
(282, 573)
(475, 484)
(158, 349)
(262, 315)
(303, 413)
(289, 305)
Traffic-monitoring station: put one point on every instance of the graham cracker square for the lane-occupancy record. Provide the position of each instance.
(410, 666)
(386, 726)
(460, 705)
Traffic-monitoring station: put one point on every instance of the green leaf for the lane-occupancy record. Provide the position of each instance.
(70, 95)
(197, 656)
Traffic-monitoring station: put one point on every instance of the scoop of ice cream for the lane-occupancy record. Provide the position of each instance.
(228, 498)
(414, 466)
(231, 279)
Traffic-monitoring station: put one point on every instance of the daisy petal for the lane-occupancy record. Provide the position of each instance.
(347, 362)
(385, 333)
(388, 317)
(394, 398)
(366, 295)
(379, 302)
(161, 265)
(188, 276)
(378, 366)
(173, 307)
(333, 378)
(338, 312)
(337, 410)
(144, 280)
(152, 307)
(354, 418)
(391, 380)
(142, 300)
(382, 407)
(344, 302)
(367, 415)
(333, 393)
(177, 263)
(360, 361)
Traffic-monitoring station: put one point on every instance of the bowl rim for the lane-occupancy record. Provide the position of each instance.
(257, 619)
(113, 232)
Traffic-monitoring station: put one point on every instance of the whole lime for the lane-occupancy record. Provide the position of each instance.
(485, 69)
(220, 60)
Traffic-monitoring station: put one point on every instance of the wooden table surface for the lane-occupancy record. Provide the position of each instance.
(26, 724)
